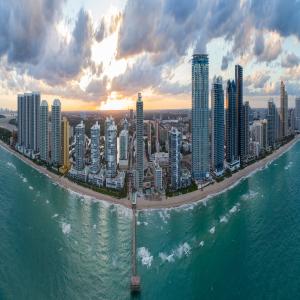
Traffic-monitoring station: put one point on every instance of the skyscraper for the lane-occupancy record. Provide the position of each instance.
(297, 113)
(123, 155)
(95, 148)
(108, 121)
(217, 140)
(245, 127)
(80, 147)
(65, 144)
(200, 112)
(239, 112)
(175, 138)
(44, 131)
(272, 128)
(28, 122)
(111, 148)
(283, 111)
(140, 140)
(231, 124)
(56, 133)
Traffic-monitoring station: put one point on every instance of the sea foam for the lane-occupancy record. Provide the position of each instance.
(145, 256)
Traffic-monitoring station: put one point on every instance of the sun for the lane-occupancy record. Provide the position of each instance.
(115, 102)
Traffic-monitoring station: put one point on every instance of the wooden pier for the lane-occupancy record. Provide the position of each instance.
(135, 279)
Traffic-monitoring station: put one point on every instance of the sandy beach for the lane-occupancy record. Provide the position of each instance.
(172, 202)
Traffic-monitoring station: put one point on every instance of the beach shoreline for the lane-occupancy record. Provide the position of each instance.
(168, 203)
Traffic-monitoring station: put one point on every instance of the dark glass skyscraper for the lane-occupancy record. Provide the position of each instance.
(231, 135)
(272, 128)
(200, 112)
(217, 139)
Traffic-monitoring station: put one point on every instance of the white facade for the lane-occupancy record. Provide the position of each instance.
(111, 149)
(44, 132)
(80, 147)
(95, 148)
(56, 133)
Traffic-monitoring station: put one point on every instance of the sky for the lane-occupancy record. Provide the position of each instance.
(98, 54)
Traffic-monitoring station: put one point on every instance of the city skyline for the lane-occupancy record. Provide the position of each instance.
(97, 62)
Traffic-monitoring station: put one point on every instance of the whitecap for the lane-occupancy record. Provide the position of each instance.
(201, 244)
(31, 188)
(250, 195)
(54, 216)
(47, 202)
(11, 165)
(165, 257)
(94, 226)
(183, 249)
(234, 209)
(145, 256)
(66, 228)
(224, 219)
(212, 230)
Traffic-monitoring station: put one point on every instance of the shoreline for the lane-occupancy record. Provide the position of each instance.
(169, 203)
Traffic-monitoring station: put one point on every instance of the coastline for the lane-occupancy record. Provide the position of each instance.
(172, 202)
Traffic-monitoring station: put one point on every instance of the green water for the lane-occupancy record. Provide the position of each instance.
(242, 244)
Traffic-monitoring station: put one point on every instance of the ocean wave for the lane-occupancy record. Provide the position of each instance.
(145, 256)
(164, 215)
(250, 195)
(54, 216)
(224, 219)
(288, 166)
(201, 244)
(183, 250)
(11, 165)
(212, 230)
(234, 209)
(66, 228)
(31, 188)
(47, 202)
(167, 258)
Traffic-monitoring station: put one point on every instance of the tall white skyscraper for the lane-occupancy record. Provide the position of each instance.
(95, 148)
(140, 140)
(80, 147)
(111, 149)
(297, 113)
(44, 131)
(123, 155)
(175, 138)
(109, 121)
(56, 133)
(200, 113)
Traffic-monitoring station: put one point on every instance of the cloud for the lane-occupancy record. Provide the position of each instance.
(107, 27)
(65, 60)
(257, 80)
(226, 59)
(290, 60)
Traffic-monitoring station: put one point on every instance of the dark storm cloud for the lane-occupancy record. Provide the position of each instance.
(24, 26)
(66, 60)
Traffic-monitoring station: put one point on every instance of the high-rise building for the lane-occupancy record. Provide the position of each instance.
(56, 133)
(95, 148)
(291, 121)
(175, 138)
(65, 144)
(123, 155)
(245, 127)
(109, 121)
(44, 131)
(297, 113)
(217, 139)
(21, 119)
(140, 140)
(239, 112)
(231, 135)
(28, 121)
(158, 175)
(157, 146)
(111, 148)
(80, 147)
(272, 123)
(200, 113)
(283, 111)
(265, 144)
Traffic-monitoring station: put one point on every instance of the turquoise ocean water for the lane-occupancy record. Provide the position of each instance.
(242, 244)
